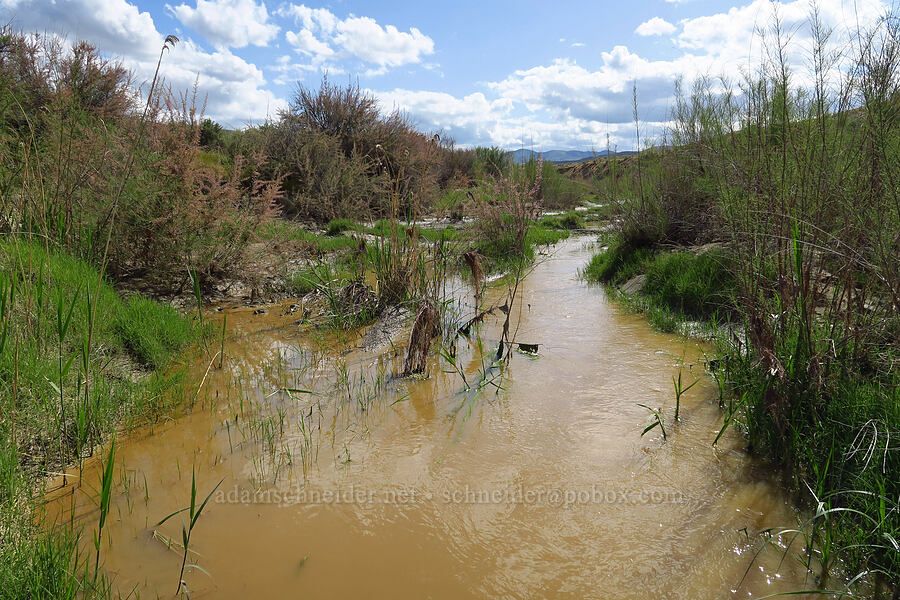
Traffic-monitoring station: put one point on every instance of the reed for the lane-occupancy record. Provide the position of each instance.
(679, 391)
(105, 497)
(194, 511)
(657, 417)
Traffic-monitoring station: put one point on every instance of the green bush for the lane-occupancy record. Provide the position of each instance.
(278, 231)
(558, 191)
(491, 162)
(338, 156)
(502, 250)
(453, 203)
(568, 221)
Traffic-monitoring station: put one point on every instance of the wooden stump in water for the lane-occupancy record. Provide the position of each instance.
(424, 329)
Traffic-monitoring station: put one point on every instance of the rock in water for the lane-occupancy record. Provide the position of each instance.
(634, 285)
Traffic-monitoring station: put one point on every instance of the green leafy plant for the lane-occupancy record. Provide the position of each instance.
(657, 416)
(105, 496)
(194, 511)
(679, 391)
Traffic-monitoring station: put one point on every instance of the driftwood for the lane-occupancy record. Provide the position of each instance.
(425, 327)
(466, 329)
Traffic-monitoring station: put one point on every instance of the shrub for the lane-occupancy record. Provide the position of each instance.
(504, 208)
(557, 190)
(340, 157)
(491, 162)
(139, 180)
(457, 166)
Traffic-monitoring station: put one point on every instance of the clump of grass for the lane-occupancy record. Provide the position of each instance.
(152, 332)
(281, 231)
(339, 226)
(382, 228)
(698, 286)
(618, 263)
(568, 221)
(543, 236)
(322, 275)
(504, 251)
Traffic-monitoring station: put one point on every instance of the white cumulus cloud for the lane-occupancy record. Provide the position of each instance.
(306, 42)
(228, 23)
(386, 46)
(115, 26)
(327, 39)
(655, 26)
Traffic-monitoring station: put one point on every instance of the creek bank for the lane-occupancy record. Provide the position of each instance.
(693, 291)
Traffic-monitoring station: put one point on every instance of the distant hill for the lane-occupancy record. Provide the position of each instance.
(523, 155)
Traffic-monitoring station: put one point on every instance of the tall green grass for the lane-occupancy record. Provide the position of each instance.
(698, 286)
(618, 263)
(52, 418)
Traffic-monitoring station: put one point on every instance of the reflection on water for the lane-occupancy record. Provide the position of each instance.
(539, 486)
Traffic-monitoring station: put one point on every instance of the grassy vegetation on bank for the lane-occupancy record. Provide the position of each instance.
(64, 388)
(801, 197)
(687, 285)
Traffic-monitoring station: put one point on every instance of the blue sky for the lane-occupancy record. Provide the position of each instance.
(549, 75)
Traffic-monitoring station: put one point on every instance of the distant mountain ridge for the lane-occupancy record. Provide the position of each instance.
(523, 155)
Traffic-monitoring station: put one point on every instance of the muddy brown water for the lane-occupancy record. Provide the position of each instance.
(376, 487)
